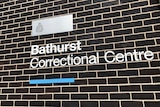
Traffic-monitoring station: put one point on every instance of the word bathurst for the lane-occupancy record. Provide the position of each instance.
(109, 56)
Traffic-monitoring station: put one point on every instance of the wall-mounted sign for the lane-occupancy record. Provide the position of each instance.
(52, 25)
(71, 59)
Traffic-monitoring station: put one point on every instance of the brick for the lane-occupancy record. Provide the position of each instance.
(16, 84)
(102, 47)
(132, 24)
(37, 90)
(97, 11)
(88, 89)
(151, 21)
(15, 7)
(148, 71)
(157, 27)
(138, 65)
(3, 84)
(40, 11)
(142, 96)
(6, 31)
(3, 97)
(152, 8)
(89, 30)
(6, 103)
(52, 76)
(60, 2)
(117, 80)
(121, 19)
(13, 26)
(84, 2)
(61, 96)
(127, 44)
(155, 63)
(116, 66)
(129, 12)
(133, 37)
(61, 12)
(120, 7)
(132, 104)
(125, 1)
(156, 79)
(68, 5)
(108, 88)
(52, 103)
(109, 103)
(10, 67)
(69, 89)
(70, 103)
(110, 15)
(96, 67)
(89, 103)
(155, 14)
(152, 34)
(37, 77)
(92, 6)
(33, 17)
(14, 97)
(36, 103)
(30, 71)
(110, 3)
(54, 89)
(19, 20)
(122, 32)
(130, 88)
(68, 39)
(18, 39)
(9, 3)
(152, 103)
(38, 2)
(95, 41)
(141, 16)
(22, 90)
(22, 78)
(62, 69)
(26, 14)
(97, 81)
(145, 43)
(154, 49)
(46, 5)
(98, 96)
(89, 24)
(21, 103)
(7, 90)
(78, 68)
(103, 22)
(104, 34)
(80, 82)
(17, 2)
(77, 32)
(45, 96)
(78, 20)
(84, 13)
(106, 74)
(141, 3)
(8, 78)
(8, 13)
(128, 73)
(120, 96)
(79, 96)
(150, 87)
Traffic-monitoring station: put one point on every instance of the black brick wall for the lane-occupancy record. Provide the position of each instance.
(117, 25)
